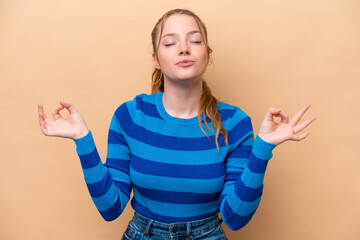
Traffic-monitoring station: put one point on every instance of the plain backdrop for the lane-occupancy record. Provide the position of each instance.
(97, 55)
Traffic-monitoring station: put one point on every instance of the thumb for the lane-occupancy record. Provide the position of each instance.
(68, 106)
(271, 112)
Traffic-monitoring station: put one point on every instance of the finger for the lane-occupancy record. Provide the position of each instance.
(284, 118)
(40, 111)
(303, 125)
(274, 112)
(270, 113)
(42, 116)
(43, 123)
(300, 137)
(56, 113)
(68, 106)
(299, 114)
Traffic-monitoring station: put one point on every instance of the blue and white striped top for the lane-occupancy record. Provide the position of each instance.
(176, 173)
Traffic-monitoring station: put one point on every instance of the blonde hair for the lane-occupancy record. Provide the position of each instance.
(209, 105)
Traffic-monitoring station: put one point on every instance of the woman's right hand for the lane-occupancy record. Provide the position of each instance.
(72, 127)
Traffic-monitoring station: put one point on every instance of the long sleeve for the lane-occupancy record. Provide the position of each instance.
(109, 184)
(245, 169)
(177, 174)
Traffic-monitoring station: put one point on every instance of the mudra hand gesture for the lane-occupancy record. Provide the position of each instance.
(75, 127)
(277, 133)
(72, 127)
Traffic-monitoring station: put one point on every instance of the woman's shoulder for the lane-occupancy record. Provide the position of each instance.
(137, 102)
(234, 119)
(231, 111)
(149, 98)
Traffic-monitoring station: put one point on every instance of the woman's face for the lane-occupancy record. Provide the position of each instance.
(181, 53)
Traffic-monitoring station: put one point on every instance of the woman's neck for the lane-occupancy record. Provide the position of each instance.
(182, 101)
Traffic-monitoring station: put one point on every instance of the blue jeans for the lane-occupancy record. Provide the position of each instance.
(141, 228)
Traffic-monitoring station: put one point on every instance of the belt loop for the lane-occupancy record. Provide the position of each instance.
(147, 228)
(188, 229)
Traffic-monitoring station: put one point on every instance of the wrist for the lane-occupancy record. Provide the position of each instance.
(262, 149)
(265, 139)
(85, 145)
(82, 133)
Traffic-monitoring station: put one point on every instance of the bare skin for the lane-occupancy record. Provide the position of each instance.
(277, 133)
(74, 125)
(181, 40)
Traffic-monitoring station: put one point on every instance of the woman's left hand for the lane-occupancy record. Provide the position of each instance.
(277, 133)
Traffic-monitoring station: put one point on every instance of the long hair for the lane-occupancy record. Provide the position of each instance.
(209, 105)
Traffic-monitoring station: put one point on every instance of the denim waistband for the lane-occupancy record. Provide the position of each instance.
(175, 229)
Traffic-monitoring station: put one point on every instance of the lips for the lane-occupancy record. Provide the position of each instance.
(185, 63)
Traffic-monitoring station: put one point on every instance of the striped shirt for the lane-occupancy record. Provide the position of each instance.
(177, 174)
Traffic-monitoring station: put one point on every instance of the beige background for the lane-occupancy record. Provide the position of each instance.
(97, 54)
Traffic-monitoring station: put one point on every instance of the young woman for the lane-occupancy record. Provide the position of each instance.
(185, 155)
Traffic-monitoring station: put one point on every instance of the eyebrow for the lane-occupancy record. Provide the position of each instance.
(174, 34)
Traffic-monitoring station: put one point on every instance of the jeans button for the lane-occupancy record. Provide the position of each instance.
(174, 229)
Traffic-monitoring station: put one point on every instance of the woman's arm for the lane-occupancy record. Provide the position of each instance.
(108, 184)
(247, 162)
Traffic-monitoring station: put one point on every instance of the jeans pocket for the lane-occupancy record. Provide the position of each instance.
(130, 232)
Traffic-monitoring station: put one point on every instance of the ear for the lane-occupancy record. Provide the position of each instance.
(156, 62)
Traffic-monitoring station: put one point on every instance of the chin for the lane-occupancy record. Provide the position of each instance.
(189, 78)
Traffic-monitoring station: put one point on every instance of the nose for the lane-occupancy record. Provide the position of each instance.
(184, 50)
